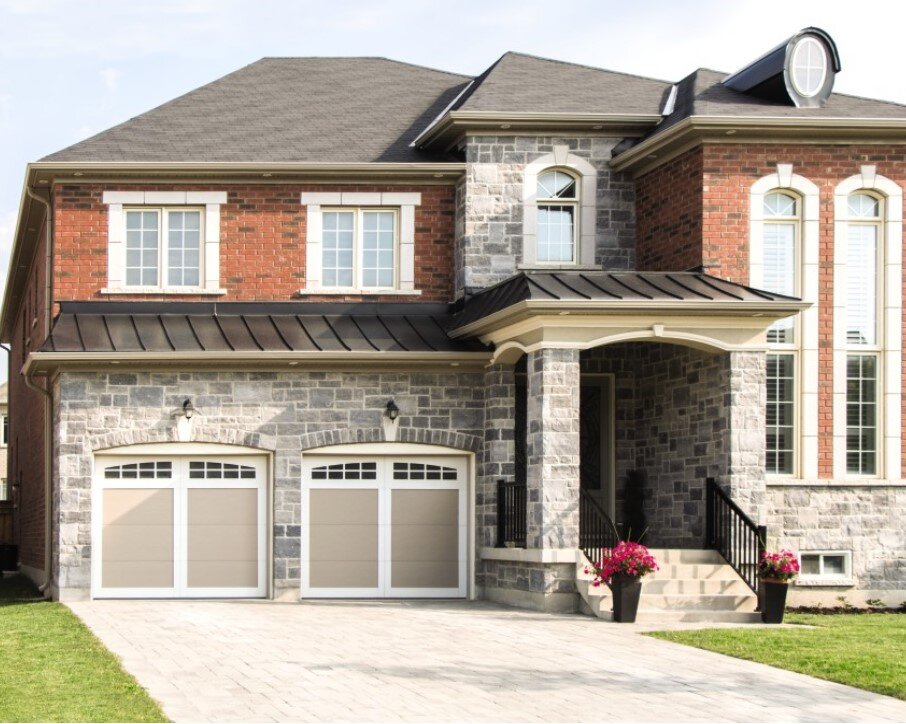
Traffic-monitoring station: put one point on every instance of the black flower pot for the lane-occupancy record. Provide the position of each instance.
(773, 601)
(626, 591)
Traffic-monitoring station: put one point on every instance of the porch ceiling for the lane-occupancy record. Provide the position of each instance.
(588, 309)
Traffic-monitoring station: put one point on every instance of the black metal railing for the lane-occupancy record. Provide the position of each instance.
(733, 534)
(597, 533)
(512, 503)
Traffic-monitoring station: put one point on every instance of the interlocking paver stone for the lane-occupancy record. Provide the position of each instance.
(442, 661)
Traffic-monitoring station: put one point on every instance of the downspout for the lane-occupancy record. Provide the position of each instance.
(46, 393)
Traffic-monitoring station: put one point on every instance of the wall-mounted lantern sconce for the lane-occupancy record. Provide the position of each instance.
(184, 421)
(390, 422)
(392, 411)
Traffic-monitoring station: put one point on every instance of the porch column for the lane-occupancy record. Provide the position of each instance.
(498, 456)
(747, 383)
(552, 449)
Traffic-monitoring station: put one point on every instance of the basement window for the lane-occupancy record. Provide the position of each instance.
(832, 567)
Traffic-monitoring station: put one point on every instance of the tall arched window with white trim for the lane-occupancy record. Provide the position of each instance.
(781, 234)
(558, 204)
(864, 234)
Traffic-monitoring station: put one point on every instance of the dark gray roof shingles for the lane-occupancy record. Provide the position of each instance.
(520, 83)
(332, 110)
(701, 93)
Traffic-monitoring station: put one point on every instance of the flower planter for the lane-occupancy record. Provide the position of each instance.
(773, 600)
(626, 592)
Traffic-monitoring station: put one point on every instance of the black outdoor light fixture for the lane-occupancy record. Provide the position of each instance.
(188, 409)
(392, 412)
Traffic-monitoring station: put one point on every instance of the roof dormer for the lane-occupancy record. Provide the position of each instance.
(800, 70)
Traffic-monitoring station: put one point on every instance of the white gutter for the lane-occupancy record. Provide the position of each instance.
(49, 359)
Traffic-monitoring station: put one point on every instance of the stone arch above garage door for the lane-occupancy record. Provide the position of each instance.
(348, 436)
(202, 434)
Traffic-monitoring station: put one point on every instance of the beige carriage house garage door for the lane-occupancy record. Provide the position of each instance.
(180, 526)
(394, 527)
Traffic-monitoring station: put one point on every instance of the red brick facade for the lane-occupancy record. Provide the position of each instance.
(720, 241)
(25, 461)
(262, 241)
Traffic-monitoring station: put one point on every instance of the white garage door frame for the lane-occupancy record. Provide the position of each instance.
(386, 453)
(180, 454)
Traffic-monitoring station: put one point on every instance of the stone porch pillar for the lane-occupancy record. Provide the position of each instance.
(552, 449)
(498, 456)
(746, 423)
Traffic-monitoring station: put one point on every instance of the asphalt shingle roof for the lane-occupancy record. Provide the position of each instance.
(701, 93)
(363, 110)
(519, 83)
(331, 110)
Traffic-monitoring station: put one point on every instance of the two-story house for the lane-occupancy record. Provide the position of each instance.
(349, 327)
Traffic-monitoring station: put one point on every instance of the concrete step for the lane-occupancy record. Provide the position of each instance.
(691, 585)
(704, 571)
(700, 602)
(668, 586)
(666, 556)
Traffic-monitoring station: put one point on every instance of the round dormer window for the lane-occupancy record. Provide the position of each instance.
(809, 66)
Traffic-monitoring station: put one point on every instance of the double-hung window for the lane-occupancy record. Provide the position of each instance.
(359, 248)
(558, 204)
(780, 248)
(863, 262)
(164, 247)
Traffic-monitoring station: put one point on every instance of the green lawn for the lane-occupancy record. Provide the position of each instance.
(865, 650)
(52, 668)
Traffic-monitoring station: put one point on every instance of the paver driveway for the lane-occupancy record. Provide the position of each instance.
(428, 661)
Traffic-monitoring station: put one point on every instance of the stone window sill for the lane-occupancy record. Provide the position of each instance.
(829, 582)
(785, 482)
(164, 290)
(359, 292)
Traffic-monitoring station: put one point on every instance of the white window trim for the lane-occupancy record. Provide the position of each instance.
(211, 201)
(806, 344)
(890, 344)
(586, 219)
(823, 579)
(316, 203)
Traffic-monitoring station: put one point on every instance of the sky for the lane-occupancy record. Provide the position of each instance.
(71, 68)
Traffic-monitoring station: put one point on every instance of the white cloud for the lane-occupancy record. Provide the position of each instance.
(111, 78)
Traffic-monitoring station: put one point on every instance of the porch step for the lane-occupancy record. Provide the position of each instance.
(691, 586)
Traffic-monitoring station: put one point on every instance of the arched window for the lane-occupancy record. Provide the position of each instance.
(868, 291)
(781, 234)
(558, 205)
(863, 287)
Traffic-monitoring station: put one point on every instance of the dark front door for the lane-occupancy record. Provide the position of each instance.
(596, 436)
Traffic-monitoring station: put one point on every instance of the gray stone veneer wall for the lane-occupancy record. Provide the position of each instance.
(552, 449)
(866, 520)
(282, 412)
(683, 415)
(490, 201)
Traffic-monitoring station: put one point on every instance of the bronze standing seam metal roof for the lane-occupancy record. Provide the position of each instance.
(249, 327)
(599, 286)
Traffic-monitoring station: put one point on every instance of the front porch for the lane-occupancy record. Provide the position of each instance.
(617, 396)
(620, 439)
